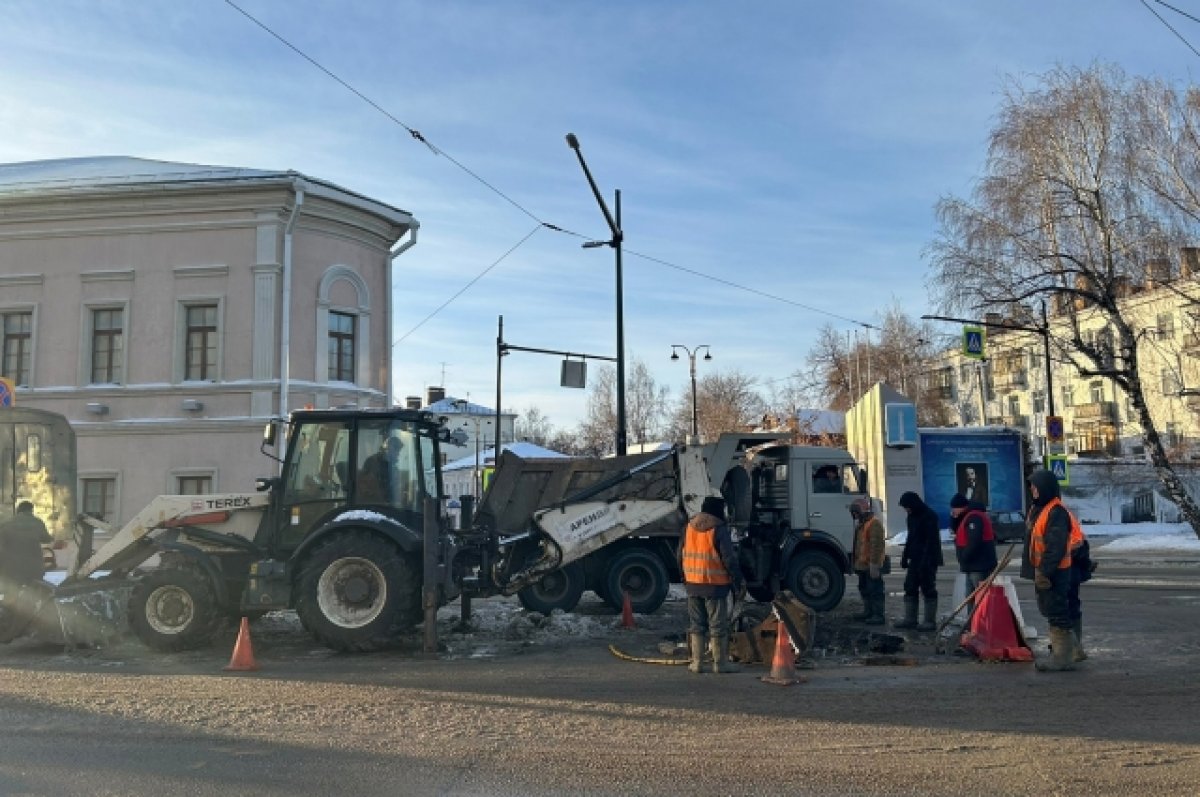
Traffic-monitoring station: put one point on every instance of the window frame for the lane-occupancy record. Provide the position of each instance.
(183, 333)
(334, 342)
(29, 352)
(101, 476)
(87, 349)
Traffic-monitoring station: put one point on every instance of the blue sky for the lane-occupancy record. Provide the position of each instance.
(796, 148)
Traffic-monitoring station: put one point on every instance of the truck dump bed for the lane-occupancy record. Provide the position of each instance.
(520, 487)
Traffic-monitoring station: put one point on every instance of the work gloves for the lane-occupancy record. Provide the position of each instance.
(1041, 581)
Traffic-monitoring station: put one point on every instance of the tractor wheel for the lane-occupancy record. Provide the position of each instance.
(356, 591)
(174, 608)
(816, 580)
(558, 590)
(640, 573)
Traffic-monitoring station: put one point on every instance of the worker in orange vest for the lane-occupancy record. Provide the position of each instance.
(869, 557)
(1052, 532)
(710, 570)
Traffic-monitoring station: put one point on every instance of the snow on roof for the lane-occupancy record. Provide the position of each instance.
(116, 171)
(450, 405)
(521, 449)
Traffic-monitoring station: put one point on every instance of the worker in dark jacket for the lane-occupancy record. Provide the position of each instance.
(1051, 533)
(21, 540)
(974, 542)
(921, 558)
(710, 570)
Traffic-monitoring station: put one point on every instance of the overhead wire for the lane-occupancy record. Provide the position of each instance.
(420, 137)
(1168, 24)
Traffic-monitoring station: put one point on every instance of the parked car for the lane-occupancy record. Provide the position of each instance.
(1008, 525)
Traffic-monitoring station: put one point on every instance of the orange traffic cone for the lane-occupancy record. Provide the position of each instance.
(783, 667)
(243, 652)
(627, 612)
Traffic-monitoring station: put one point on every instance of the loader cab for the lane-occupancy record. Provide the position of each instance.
(382, 461)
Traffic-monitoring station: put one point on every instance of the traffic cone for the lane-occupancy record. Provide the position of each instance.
(243, 652)
(627, 612)
(783, 667)
(994, 635)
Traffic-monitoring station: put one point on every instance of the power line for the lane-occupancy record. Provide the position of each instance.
(1168, 24)
(418, 136)
(464, 288)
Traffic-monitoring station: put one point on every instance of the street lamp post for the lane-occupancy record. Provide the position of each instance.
(691, 354)
(614, 226)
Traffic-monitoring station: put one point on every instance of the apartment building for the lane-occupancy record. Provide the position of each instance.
(170, 309)
(1009, 386)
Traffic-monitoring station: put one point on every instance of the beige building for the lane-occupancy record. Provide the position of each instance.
(170, 309)
(1009, 386)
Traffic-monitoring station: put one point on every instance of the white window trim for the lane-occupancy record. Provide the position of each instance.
(173, 477)
(85, 340)
(179, 357)
(33, 336)
(102, 474)
(362, 325)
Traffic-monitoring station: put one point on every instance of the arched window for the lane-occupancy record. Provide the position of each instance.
(343, 327)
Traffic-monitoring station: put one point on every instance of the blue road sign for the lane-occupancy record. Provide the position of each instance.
(1058, 466)
(973, 342)
(7, 393)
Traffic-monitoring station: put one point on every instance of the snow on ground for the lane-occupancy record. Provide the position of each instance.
(1120, 537)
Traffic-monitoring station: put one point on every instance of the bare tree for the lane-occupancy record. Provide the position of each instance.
(645, 409)
(725, 402)
(533, 426)
(1083, 193)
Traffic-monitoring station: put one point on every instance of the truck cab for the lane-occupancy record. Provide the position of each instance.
(789, 508)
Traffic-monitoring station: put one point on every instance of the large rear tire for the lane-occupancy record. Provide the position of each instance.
(559, 590)
(816, 580)
(174, 608)
(641, 574)
(357, 592)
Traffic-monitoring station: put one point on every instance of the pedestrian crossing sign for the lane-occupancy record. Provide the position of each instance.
(973, 342)
(1058, 466)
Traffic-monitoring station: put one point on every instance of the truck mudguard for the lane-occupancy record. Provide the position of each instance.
(409, 541)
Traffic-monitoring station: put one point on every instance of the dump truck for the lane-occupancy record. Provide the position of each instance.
(340, 535)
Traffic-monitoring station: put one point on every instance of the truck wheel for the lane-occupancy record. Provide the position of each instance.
(816, 580)
(174, 608)
(558, 590)
(357, 592)
(640, 573)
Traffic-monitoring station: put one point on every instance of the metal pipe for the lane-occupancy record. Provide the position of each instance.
(285, 323)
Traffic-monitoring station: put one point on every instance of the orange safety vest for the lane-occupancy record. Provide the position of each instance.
(701, 562)
(1037, 540)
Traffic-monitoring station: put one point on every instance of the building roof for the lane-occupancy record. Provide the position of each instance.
(522, 449)
(115, 173)
(449, 405)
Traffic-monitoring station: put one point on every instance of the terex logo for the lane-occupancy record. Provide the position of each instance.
(227, 503)
(590, 518)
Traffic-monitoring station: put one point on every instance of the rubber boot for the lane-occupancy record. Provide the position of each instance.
(1062, 650)
(721, 662)
(910, 613)
(929, 621)
(858, 617)
(1078, 651)
(696, 649)
(876, 617)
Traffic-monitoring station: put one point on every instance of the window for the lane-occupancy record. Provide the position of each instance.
(194, 485)
(1068, 394)
(341, 347)
(200, 343)
(1166, 326)
(1014, 406)
(1039, 401)
(108, 345)
(1096, 389)
(100, 498)
(16, 330)
(1174, 437)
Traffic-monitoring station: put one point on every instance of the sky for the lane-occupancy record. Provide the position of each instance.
(778, 162)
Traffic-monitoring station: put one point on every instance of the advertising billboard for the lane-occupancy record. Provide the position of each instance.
(984, 465)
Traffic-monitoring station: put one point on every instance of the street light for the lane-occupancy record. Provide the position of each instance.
(691, 353)
(614, 226)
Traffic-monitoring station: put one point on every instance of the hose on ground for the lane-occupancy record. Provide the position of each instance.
(620, 654)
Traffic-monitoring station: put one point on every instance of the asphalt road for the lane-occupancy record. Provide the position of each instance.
(567, 717)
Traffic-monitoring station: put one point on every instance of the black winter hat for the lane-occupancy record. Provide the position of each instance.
(713, 506)
(911, 500)
(959, 501)
(1047, 484)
